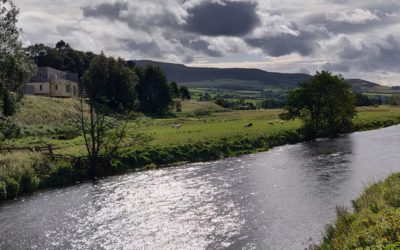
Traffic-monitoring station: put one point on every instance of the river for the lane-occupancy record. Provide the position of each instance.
(280, 199)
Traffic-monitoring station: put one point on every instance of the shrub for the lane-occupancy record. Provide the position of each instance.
(21, 172)
(375, 222)
(8, 128)
(3, 191)
(12, 188)
(29, 181)
(392, 196)
(60, 175)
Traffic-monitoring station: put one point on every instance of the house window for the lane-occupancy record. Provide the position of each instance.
(74, 90)
(56, 87)
(41, 87)
(68, 88)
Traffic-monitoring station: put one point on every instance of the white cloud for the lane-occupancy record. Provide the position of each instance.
(357, 16)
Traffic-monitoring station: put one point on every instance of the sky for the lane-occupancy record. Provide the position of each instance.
(358, 39)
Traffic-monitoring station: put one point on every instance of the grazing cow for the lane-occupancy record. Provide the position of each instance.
(225, 120)
(281, 122)
(245, 125)
(250, 125)
(178, 126)
(276, 121)
(173, 126)
(271, 123)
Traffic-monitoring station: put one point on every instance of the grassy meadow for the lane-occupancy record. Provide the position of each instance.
(43, 122)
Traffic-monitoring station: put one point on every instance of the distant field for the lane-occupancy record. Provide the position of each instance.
(42, 121)
(192, 106)
(253, 96)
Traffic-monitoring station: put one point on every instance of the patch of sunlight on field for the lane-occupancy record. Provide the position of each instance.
(218, 125)
(191, 106)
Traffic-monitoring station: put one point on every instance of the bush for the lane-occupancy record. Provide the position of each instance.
(3, 191)
(21, 172)
(60, 175)
(375, 222)
(12, 188)
(8, 128)
(392, 196)
(29, 181)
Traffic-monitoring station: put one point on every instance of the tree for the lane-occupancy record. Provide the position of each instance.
(184, 93)
(112, 83)
(108, 84)
(62, 57)
(394, 100)
(221, 102)
(271, 103)
(102, 131)
(153, 90)
(364, 100)
(324, 103)
(174, 90)
(15, 67)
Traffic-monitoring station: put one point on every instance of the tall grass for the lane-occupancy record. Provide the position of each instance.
(374, 222)
(23, 173)
(17, 173)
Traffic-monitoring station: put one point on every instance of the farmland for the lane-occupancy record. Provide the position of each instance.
(42, 123)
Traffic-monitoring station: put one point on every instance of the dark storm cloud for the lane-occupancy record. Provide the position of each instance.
(304, 43)
(222, 19)
(201, 46)
(149, 48)
(386, 56)
(106, 10)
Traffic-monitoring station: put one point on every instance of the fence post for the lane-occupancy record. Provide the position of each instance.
(49, 147)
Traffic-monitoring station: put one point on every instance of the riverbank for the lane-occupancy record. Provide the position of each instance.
(287, 195)
(201, 136)
(375, 222)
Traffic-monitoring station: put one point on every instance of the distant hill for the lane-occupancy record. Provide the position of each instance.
(246, 79)
(227, 78)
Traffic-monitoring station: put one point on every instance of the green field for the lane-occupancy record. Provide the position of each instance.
(43, 123)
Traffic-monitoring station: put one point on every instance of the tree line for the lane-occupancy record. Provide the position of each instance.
(117, 83)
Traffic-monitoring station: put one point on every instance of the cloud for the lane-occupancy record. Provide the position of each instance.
(222, 18)
(366, 56)
(357, 16)
(342, 35)
(111, 11)
(281, 39)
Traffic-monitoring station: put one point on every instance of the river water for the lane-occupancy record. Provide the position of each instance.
(273, 200)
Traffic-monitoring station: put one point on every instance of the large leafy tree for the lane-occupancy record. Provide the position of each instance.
(111, 82)
(154, 91)
(325, 104)
(15, 67)
(109, 85)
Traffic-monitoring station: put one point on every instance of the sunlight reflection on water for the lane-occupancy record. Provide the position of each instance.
(272, 200)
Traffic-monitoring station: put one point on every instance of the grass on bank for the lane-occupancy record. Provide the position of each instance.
(43, 123)
(201, 137)
(374, 223)
(22, 173)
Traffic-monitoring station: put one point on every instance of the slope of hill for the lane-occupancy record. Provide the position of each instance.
(227, 78)
(249, 79)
